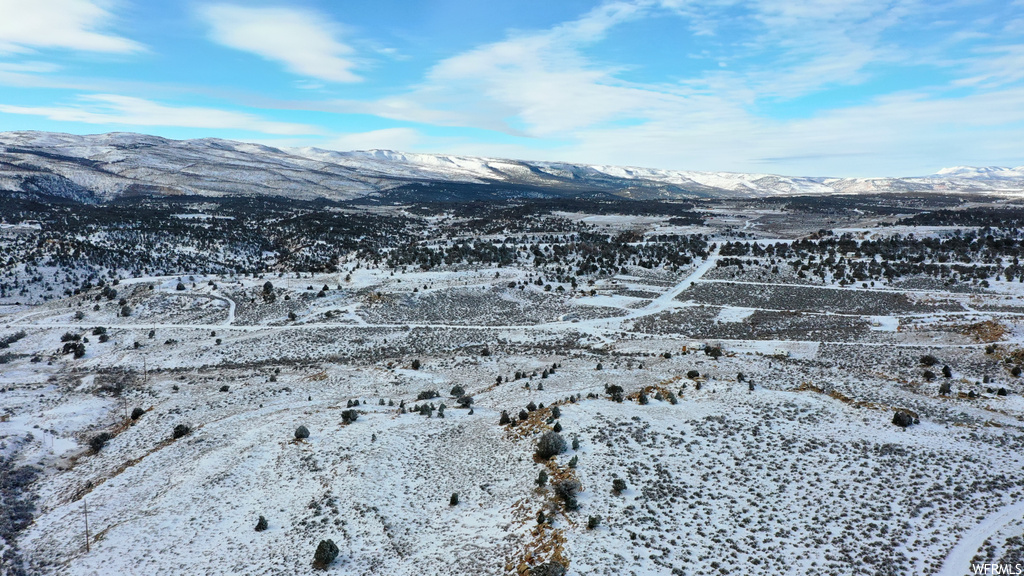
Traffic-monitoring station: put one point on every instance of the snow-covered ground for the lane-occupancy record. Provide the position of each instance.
(778, 456)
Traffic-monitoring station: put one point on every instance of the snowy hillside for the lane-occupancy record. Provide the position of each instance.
(982, 173)
(106, 166)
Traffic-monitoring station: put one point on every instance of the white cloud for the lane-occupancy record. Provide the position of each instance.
(903, 134)
(126, 110)
(537, 84)
(543, 84)
(545, 87)
(303, 41)
(999, 66)
(70, 24)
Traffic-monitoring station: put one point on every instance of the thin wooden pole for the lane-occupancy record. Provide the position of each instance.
(85, 508)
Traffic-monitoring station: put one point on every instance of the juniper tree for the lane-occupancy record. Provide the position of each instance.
(567, 490)
(551, 568)
(550, 444)
(180, 430)
(618, 485)
(98, 441)
(326, 551)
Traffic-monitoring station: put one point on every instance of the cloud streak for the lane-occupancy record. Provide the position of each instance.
(126, 110)
(66, 24)
(304, 42)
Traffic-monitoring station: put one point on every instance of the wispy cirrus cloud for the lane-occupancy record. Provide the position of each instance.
(68, 24)
(547, 86)
(305, 42)
(534, 84)
(127, 110)
(998, 66)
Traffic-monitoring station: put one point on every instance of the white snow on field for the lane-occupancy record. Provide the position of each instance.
(803, 473)
(734, 314)
(613, 301)
(885, 323)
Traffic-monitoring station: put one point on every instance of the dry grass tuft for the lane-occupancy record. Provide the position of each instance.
(987, 331)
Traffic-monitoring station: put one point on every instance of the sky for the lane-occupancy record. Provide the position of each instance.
(812, 87)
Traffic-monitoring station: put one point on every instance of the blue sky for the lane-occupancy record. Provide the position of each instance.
(816, 87)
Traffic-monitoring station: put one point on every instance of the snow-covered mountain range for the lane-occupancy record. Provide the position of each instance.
(102, 167)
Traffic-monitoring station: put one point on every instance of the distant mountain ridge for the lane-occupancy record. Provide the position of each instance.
(98, 168)
(982, 173)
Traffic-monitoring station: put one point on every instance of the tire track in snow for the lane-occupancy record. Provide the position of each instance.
(958, 561)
